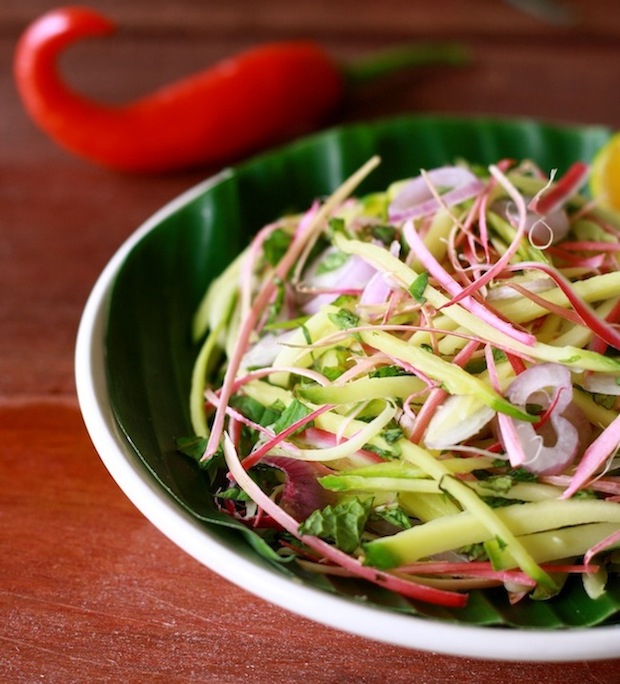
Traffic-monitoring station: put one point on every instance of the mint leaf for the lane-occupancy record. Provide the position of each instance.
(523, 475)
(294, 412)
(276, 246)
(331, 261)
(332, 372)
(257, 412)
(388, 372)
(384, 233)
(344, 319)
(607, 401)
(417, 287)
(275, 305)
(194, 447)
(393, 515)
(393, 452)
(336, 224)
(234, 494)
(498, 355)
(343, 523)
(392, 434)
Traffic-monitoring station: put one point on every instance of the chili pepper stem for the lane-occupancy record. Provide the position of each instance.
(404, 57)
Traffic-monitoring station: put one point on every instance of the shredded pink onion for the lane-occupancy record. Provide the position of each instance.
(264, 352)
(542, 230)
(589, 317)
(417, 198)
(354, 275)
(595, 456)
(604, 544)
(550, 447)
(376, 291)
(452, 287)
(551, 199)
(380, 285)
(495, 269)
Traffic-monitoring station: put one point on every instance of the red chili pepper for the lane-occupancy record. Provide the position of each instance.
(255, 99)
(258, 98)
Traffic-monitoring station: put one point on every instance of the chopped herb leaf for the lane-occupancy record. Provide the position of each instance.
(332, 372)
(384, 233)
(255, 411)
(523, 475)
(276, 245)
(332, 261)
(606, 400)
(393, 515)
(418, 286)
(388, 372)
(393, 452)
(342, 523)
(195, 447)
(336, 225)
(498, 355)
(500, 484)
(233, 493)
(497, 501)
(534, 409)
(275, 306)
(500, 543)
(392, 434)
(344, 319)
(294, 412)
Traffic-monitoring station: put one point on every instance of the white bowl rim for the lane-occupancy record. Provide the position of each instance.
(383, 625)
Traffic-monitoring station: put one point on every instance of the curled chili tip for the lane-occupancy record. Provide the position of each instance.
(258, 98)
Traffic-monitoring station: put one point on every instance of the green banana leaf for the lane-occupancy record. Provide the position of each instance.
(148, 345)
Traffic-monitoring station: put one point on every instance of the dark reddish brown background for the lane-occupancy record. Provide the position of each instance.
(89, 590)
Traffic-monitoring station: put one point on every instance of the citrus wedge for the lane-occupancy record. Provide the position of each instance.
(605, 174)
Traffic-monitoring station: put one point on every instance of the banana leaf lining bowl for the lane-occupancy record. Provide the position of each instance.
(134, 358)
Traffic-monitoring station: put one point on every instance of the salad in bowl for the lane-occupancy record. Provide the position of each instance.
(372, 377)
(419, 387)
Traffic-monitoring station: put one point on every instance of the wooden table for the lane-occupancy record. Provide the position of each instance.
(89, 590)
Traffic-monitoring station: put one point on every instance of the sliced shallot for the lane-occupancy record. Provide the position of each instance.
(550, 447)
(418, 197)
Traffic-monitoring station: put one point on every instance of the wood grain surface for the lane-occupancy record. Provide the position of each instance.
(89, 590)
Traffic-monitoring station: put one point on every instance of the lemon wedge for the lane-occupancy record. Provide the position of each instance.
(605, 173)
